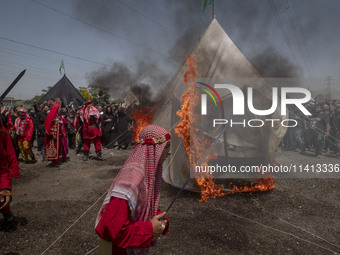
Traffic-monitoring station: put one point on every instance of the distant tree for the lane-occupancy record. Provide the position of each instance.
(85, 93)
(46, 90)
(100, 96)
(36, 98)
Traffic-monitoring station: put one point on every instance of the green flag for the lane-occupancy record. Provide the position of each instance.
(61, 66)
(205, 3)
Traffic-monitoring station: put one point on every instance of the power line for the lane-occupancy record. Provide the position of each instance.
(35, 72)
(277, 16)
(147, 17)
(299, 30)
(297, 36)
(33, 76)
(47, 60)
(101, 29)
(25, 54)
(298, 14)
(14, 64)
(299, 39)
(53, 51)
(27, 75)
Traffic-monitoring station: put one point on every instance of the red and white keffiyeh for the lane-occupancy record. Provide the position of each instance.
(87, 112)
(139, 181)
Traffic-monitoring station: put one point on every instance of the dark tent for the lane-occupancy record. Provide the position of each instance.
(64, 90)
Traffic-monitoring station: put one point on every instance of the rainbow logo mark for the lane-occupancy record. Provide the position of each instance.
(204, 97)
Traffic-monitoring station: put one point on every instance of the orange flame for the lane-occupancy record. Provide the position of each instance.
(192, 144)
(183, 128)
(263, 184)
(142, 117)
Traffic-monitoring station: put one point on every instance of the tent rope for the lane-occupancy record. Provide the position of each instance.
(305, 230)
(73, 223)
(95, 248)
(91, 207)
(275, 229)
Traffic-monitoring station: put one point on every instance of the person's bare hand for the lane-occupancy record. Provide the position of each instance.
(6, 199)
(156, 223)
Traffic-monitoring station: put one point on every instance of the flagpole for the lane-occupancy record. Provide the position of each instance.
(62, 66)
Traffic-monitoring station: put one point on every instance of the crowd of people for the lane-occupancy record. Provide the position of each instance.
(110, 126)
(56, 129)
(319, 133)
(129, 221)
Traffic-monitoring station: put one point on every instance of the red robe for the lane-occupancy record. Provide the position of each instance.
(91, 118)
(91, 129)
(24, 128)
(53, 129)
(8, 162)
(116, 226)
(53, 147)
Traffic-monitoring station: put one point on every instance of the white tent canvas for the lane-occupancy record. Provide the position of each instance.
(131, 99)
(217, 57)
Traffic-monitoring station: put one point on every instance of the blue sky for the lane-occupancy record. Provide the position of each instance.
(92, 35)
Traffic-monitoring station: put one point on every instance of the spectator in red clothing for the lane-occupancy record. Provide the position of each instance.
(90, 117)
(24, 129)
(129, 220)
(55, 131)
(8, 168)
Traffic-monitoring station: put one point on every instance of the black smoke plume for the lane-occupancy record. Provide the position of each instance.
(120, 79)
(270, 63)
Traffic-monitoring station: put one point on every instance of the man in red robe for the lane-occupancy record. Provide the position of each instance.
(8, 168)
(129, 220)
(91, 131)
(53, 136)
(24, 129)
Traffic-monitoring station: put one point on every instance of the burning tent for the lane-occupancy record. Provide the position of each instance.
(131, 99)
(217, 57)
(65, 90)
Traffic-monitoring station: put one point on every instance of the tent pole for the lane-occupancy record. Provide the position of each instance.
(213, 10)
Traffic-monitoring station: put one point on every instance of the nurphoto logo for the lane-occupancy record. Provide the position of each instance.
(238, 106)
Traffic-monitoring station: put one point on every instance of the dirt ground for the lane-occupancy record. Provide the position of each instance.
(300, 216)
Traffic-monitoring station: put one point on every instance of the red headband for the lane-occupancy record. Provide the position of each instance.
(155, 140)
(87, 103)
